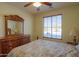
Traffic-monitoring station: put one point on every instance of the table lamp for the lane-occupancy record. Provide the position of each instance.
(74, 34)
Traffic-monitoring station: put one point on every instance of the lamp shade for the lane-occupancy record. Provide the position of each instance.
(73, 33)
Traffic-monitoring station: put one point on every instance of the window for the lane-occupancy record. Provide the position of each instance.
(53, 26)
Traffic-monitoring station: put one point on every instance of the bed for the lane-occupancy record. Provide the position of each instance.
(44, 48)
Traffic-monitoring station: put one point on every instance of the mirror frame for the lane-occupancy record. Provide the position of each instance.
(13, 18)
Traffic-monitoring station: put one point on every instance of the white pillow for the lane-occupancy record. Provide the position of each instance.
(77, 47)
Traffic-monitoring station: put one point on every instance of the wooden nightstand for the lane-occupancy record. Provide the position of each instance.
(72, 43)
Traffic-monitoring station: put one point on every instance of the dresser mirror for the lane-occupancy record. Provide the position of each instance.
(14, 25)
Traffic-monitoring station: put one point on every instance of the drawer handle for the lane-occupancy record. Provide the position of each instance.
(11, 47)
(10, 44)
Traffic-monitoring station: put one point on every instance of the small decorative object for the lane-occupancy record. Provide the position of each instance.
(74, 35)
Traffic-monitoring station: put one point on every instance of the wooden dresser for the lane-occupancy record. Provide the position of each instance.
(9, 42)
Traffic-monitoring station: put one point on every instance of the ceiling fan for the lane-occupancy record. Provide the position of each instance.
(38, 4)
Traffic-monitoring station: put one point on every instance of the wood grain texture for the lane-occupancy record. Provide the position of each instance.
(12, 41)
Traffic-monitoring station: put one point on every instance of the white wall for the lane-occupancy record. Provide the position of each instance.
(6, 9)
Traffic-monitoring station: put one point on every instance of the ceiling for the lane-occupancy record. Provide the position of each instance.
(32, 9)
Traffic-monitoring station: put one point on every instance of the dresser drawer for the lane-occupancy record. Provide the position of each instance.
(13, 43)
(7, 44)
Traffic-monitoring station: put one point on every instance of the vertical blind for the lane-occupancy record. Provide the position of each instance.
(53, 26)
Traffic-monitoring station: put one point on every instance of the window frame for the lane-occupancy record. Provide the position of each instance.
(43, 26)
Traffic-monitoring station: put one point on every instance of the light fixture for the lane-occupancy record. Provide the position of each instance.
(37, 4)
(74, 35)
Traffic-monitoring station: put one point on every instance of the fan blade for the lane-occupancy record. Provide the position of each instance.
(47, 3)
(28, 4)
